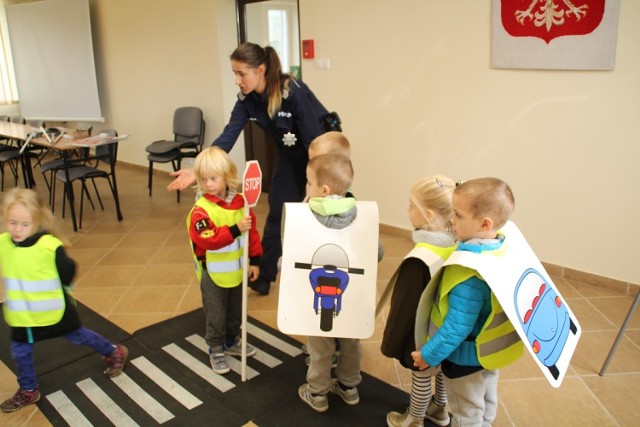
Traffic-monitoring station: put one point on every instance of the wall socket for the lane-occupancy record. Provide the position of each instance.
(323, 64)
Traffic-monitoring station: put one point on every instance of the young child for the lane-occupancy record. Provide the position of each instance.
(215, 225)
(328, 142)
(429, 212)
(469, 336)
(37, 276)
(329, 177)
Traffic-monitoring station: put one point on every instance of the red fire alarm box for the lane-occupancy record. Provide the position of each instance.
(307, 49)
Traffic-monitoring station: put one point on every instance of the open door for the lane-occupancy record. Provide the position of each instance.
(269, 23)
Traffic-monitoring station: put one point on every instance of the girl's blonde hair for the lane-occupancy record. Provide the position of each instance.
(433, 193)
(43, 219)
(214, 161)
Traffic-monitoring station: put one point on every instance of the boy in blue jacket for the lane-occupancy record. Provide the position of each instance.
(469, 336)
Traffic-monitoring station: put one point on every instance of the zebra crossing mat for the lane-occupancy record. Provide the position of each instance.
(168, 381)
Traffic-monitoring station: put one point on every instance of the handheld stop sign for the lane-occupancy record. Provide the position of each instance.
(251, 189)
(252, 183)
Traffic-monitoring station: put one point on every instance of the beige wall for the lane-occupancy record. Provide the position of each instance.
(412, 82)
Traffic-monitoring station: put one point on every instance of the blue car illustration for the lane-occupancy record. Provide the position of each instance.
(544, 318)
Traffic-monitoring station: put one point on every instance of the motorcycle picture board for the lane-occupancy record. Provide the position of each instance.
(328, 276)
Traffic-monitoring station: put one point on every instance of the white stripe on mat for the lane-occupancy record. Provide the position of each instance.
(234, 364)
(203, 371)
(150, 405)
(67, 409)
(273, 341)
(104, 403)
(166, 383)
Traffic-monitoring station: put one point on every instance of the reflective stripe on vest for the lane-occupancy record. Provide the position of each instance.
(497, 344)
(219, 265)
(224, 265)
(34, 293)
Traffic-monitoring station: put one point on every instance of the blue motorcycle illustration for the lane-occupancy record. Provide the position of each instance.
(329, 278)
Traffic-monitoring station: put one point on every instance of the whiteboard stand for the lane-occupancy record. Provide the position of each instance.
(620, 334)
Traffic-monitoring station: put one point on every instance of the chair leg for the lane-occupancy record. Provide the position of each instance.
(150, 181)
(52, 194)
(82, 191)
(93, 181)
(176, 167)
(85, 190)
(14, 170)
(114, 190)
(64, 200)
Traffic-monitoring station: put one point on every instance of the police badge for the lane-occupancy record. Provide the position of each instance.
(289, 139)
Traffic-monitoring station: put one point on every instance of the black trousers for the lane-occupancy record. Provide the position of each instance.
(287, 185)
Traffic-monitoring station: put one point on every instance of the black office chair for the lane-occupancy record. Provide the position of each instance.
(188, 132)
(49, 168)
(10, 156)
(106, 154)
(5, 143)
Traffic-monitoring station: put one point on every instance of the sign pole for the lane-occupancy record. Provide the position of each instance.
(245, 292)
(252, 187)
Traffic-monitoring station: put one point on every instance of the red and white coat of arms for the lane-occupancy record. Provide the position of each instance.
(549, 19)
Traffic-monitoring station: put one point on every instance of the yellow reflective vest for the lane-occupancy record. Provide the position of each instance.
(225, 264)
(497, 344)
(33, 292)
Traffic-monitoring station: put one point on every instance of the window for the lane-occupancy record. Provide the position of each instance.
(8, 89)
(278, 35)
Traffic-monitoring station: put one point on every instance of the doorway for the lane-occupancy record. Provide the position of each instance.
(269, 23)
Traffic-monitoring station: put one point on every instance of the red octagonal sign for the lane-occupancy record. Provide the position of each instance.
(252, 183)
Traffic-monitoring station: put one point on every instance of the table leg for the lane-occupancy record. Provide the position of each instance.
(27, 171)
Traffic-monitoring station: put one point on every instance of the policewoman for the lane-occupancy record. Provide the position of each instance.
(288, 110)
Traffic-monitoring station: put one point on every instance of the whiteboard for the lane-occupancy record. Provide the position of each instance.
(52, 51)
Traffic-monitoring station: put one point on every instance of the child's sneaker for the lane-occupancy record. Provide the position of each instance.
(20, 399)
(116, 360)
(348, 395)
(318, 402)
(236, 349)
(218, 360)
(396, 419)
(437, 414)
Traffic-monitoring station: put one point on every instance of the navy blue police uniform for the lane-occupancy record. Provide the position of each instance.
(300, 119)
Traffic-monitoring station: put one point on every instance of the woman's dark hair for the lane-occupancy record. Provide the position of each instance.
(253, 55)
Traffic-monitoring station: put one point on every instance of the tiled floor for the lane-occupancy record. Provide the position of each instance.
(139, 271)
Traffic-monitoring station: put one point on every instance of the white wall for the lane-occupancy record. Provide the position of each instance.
(412, 83)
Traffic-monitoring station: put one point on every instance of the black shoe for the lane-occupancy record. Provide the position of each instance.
(261, 286)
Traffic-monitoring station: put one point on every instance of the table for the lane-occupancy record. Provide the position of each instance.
(64, 145)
